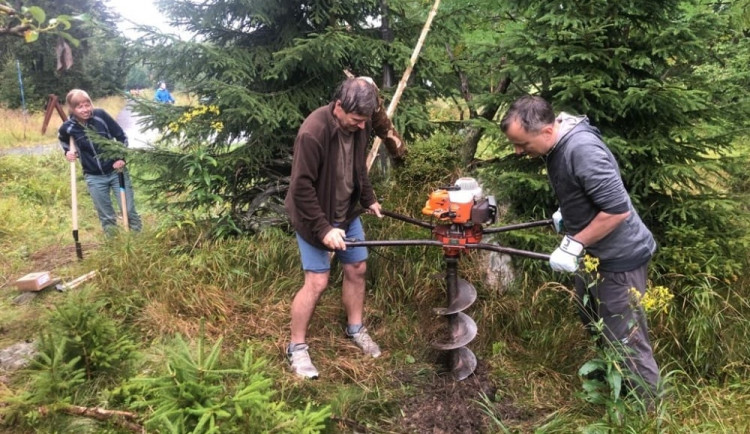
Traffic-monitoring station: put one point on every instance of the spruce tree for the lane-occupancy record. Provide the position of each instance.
(665, 82)
(261, 67)
(645, 74)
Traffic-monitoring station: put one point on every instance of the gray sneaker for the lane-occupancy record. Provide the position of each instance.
(300, 363)
(365, 343)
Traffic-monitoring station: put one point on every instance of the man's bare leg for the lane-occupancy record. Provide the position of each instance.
(353, 291)
(303, 305)
(353, 297)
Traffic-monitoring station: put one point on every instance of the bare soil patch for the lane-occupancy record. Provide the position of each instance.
(51, 258)
(443, 405)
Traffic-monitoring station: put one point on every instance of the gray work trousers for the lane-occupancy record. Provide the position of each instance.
(102, 188)
(609, 298)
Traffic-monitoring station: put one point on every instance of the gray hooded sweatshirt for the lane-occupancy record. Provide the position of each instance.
(586, 179)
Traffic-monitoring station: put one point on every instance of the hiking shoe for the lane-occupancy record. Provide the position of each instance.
(365, 343)
(300, 363)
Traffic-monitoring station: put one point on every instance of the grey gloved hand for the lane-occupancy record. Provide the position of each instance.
(567, 256)
(557, 222)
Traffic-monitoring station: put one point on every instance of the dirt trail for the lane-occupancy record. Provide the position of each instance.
(30, 150)
(137, 138)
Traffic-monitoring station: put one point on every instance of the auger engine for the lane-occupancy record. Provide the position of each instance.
(460, 211)
(461, 203)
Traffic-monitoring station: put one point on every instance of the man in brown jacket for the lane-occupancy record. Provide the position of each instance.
(329, 183)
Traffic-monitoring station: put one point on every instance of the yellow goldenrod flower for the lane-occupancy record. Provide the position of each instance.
(657, 299)
(590, 263)
(196, 112)
(635, 295)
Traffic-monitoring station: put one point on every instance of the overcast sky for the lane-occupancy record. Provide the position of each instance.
(140, 12)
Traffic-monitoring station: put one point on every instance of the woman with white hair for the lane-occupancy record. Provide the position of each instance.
(101, 172)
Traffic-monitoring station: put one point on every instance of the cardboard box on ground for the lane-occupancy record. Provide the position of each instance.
(34, 281)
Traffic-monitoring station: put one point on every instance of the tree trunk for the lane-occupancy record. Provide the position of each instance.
(474, 135)
(387, 35)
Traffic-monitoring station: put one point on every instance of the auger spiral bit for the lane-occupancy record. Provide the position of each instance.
(466, 295)
(463, 363)
(462, 329)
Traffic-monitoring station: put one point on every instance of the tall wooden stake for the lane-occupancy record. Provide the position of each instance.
(404, 78)
(123, 200)
(74, 201)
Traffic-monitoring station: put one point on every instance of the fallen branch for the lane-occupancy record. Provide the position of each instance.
(124, 419)
(77, 281)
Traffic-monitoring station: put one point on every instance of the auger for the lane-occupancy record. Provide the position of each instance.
(460, 212)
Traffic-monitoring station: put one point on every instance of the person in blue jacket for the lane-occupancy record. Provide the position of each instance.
(84, 125)
(162, 95)
(598, 218)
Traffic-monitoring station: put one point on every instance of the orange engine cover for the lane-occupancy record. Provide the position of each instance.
(450, 206)
(438, 205)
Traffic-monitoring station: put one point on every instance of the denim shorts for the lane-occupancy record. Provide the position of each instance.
(318, 260)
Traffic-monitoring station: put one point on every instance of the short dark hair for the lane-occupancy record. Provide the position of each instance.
(531, 111)
(357, 96)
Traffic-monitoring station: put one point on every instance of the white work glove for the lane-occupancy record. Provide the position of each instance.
(566, 257)
(557, 221)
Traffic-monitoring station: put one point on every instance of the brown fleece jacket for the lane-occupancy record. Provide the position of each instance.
(311, 198)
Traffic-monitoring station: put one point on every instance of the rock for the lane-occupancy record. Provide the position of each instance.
(499, 271)
(16, 356)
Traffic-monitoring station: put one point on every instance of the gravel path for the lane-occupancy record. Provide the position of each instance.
(137, 139)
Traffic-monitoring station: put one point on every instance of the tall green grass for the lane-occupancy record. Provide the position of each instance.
(35, 212)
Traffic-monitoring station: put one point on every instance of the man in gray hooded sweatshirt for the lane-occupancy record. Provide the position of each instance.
(599, 217)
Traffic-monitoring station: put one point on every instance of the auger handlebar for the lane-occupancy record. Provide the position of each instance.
(481, 246)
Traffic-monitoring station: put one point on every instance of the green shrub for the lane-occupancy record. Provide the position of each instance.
(434, 160)
(82, 331)
(203, 392)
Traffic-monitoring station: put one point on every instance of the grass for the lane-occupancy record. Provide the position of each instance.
(19, 130)
(35, 211)
(166, 282)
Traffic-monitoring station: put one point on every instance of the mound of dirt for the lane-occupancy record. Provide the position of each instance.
(444, 405)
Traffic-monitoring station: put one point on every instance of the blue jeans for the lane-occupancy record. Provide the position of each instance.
(319, 260)
(101, 188)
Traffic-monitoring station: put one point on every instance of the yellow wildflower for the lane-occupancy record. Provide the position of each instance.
(590, 263)
(635, 295)
(657, 299)
(195, 112)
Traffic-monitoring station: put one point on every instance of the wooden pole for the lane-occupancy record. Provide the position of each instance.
(123, 200)
(74, 201)
(404, 78)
